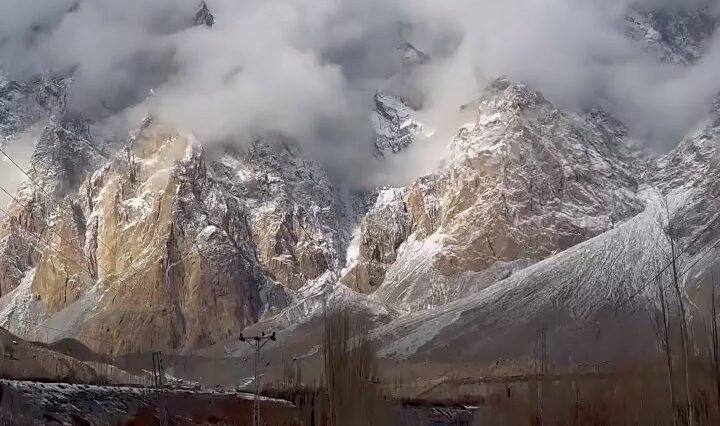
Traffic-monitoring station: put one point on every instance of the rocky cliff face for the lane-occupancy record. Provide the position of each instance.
(23, 104)
(394, 125)
(677, 36)
(586, 297)
(522, 182)
(295, 213)
(62, 158)
(203, 16)
(163, 242)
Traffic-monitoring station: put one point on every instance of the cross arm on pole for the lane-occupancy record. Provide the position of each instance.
(257, 343)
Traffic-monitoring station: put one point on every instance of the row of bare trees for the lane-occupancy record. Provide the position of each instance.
(680, 321)
(680, 387)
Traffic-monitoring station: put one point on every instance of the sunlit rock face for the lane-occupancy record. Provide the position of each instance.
(162, 244)
(161, 241)
(521, 182)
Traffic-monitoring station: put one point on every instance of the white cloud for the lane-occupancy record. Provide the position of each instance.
(308, 68)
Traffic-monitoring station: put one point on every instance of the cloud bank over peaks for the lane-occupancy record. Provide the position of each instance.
(309, 68)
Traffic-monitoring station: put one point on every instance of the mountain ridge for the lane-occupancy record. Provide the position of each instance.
(162, 242)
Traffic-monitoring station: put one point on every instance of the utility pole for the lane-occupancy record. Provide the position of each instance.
(543, 351)
(544, 383)
(158, 370)
(159, 378)
(257, 343)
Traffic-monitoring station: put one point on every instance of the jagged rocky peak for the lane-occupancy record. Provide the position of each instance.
(172, 252)
(503, 94)
(600, 284)
(396, 106)
(64, 155)
(187, 241)
(384, 228)
(394, 125)
(165, 231)
(522, 182)
(695, 159)
(412, 56)
(203, 16)
(292, 208)
(673, 34)
(22, 104)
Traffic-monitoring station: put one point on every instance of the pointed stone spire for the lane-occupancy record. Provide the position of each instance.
(203, 16)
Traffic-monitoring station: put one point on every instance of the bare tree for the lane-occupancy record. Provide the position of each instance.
(671, 232)
(662, 320)
(714, 349)
(351, 371)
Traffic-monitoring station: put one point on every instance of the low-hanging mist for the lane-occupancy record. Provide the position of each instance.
(308, 69)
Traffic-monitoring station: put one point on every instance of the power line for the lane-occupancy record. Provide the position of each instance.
(711, 248)
(52, 199)
(53, 230)
(257, 343)
(644, 285)
(49, 245)
(87, 143)
(98, 239)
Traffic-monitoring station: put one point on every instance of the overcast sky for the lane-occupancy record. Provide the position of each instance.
(308, 68)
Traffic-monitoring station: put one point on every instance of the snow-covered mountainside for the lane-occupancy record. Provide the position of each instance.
(520, 183)
(585, 297)
(537, 218)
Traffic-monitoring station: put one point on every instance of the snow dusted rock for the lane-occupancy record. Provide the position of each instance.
(294, 212)
(522, 182)
(166, 245)
(676, 36)
(23, 104)
(62, 159)
(64, 156)
(394, 125)
(586, 296)
(690, 177)
(173, 250)
(526, 181)
(383, 229)
(396, 106)
(161, 244)
(203, 16)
